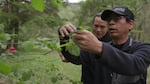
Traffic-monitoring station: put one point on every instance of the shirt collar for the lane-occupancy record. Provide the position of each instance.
(126, 46)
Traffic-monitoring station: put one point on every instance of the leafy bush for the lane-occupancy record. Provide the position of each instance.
(4, 37)
(28, 46)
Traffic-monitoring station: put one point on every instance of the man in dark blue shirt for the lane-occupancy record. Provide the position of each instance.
(127, 59)
(92, 70)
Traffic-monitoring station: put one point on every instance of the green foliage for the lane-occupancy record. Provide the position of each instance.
(26, 75)
(38, 5)
(1, 28)
(79, 28)
(41, 26)
(4, 37)
(22, 76)
(28, 46)
(69, 13)
(34, 68)
(54, 45)
(5, 68)
(25, 12)
(84, 28)
(89, 9)
(72, 48)
(56, 3)
(66, 13)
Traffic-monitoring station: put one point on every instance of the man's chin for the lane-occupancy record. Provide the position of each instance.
(99, 37)
(113, 35)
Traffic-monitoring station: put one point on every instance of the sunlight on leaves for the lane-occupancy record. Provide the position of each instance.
(38, 5)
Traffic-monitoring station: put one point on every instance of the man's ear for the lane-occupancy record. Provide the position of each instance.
(131, 24)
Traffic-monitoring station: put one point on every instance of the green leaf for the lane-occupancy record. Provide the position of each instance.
(38, 5)
(26, 75)
(3, 46)
(56, 3)
(84, 28)
(58, 48)
(54, 79)
(20, 82)
(5, 68)
(80, 28)
(73, 48)
(1, 28)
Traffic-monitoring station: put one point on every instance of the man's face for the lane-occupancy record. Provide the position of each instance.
(118, 26)
(100, 27)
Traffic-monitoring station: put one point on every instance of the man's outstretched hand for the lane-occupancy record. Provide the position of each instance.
(87, 41)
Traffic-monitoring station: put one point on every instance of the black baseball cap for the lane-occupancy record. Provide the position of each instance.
(120, 10)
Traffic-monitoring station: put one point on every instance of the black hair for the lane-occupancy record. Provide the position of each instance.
(127, 18)
(96, 15)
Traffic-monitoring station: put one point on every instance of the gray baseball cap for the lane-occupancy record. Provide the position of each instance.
(120, 10)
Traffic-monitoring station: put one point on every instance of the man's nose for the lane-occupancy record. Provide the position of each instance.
(111, 22)
(98, 29)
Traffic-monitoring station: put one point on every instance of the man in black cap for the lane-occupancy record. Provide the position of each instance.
(127, 59)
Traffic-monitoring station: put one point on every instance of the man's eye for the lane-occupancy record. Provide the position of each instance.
(96, 26)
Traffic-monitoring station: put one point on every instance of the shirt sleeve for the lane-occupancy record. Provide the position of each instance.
(71, 58)
(126, 63)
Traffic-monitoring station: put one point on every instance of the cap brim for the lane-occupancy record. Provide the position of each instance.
(107, 13)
